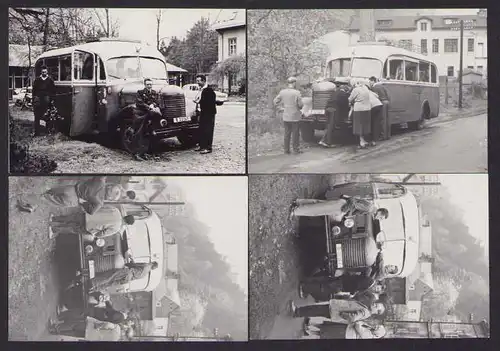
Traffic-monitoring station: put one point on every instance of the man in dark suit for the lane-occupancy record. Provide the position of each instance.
(146, 105)
(206, 102)
(44, 90)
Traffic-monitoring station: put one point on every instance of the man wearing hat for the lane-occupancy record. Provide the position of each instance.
(290, 100)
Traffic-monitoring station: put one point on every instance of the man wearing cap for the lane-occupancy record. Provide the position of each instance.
(291, 101)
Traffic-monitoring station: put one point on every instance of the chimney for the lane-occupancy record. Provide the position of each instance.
(366, 25)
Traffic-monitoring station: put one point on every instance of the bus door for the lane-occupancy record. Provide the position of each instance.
(84, 92)
(413, 90)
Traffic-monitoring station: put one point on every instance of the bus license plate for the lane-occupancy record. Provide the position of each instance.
(182, 119)
(317, 112)
(91, 269)
(338, 249)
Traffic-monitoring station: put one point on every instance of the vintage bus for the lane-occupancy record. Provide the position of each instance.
(97, 84)
(353, 247)
(410, 78)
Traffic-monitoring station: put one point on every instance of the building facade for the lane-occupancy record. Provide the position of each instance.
(21, 62)
(436, 37)
(231, 42)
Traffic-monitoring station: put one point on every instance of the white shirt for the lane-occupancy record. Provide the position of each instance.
(198, 96)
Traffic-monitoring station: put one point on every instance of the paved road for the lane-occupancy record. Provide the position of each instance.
(458, 145)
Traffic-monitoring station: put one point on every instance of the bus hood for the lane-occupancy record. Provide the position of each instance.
(145, 240)
(403, 226)
(162, 88)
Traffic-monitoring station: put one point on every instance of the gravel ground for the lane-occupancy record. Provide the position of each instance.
(87, 156)
(33, 280)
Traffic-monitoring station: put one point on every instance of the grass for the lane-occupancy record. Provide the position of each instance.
(272, 243)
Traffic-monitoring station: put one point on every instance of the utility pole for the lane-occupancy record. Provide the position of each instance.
(461, 25)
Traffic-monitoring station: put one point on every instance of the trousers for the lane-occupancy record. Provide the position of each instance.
(291, 132)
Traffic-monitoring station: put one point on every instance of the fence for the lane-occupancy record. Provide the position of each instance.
(449, 91)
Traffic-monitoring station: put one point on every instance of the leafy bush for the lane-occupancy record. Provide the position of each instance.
(21, 159)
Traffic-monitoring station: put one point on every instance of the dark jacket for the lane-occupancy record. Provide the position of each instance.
(44, 88)
(207, 102)
(146, 98)
(138, 270)
(92, 191)
(107, 314)
(381, 92)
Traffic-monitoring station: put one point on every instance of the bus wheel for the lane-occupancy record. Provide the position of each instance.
(187, 140)
(307, 132)
(133, 142)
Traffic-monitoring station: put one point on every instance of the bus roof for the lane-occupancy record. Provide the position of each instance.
(377, 51)
(109, 49)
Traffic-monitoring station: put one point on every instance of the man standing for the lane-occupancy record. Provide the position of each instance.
(146, 105)
(381, 126)
(44, 90)
(331, 110)
(88, 194)
(105, 222)
(206, 102)
(291, 100)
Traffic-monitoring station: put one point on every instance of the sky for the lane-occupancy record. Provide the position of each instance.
(175, 22)
(470, 193)
(222, 204)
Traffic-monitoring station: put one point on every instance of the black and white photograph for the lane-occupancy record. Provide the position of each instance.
(127, 90)
(368, 256)
(128, 258)
(367, 90)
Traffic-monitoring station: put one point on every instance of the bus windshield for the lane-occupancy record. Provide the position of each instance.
(338, 68)
(136, 67)
(366, 68)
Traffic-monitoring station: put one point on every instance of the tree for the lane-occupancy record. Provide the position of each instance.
(232, 66)
(174, 52)
(200, 52)
(277, 49)
(109, 28)
(158, 23)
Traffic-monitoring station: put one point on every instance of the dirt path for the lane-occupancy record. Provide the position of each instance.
(77, 156)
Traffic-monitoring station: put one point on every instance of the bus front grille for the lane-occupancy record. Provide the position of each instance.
(320, 99)
(104, 263)
(173, 106)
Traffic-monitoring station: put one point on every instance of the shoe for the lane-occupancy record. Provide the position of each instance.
(287, 152)
(322, 143)
(305, 326)
(372, 143)
(291, 210)
(25, 207)
(198, 148)
(205, 151)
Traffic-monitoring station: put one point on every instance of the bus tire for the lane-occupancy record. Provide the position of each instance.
(131, 142)
(307, 132)
(424, 114)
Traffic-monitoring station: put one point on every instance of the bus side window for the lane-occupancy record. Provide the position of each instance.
(65, 68)
(53, 67)
(396, 69)
(433, 74)
(423, 69)
(83, 66)
(102, 71)
(411, 71)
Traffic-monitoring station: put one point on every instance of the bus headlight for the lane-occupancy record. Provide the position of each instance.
(336, 230)
(163, 123)
(349, 222)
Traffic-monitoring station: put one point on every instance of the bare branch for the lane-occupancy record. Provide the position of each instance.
(264, 16)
